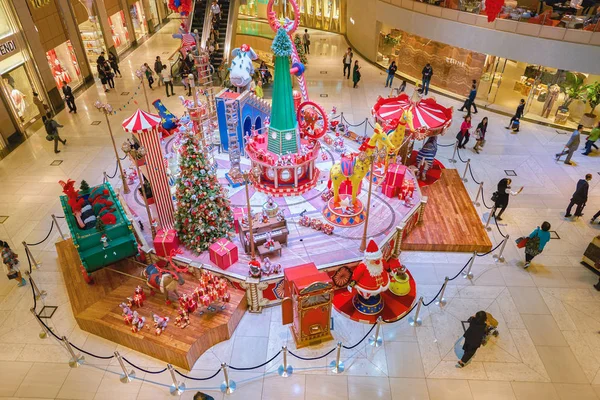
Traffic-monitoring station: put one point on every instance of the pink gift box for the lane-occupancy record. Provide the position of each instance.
(165, 241)
(223, 253)
(390, 191)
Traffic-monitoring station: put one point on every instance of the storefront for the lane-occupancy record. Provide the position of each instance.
(138, 18)
(154, 13)
(19, 79)
(93, 41)
(502, 83)
(64, 66)
(119, 31)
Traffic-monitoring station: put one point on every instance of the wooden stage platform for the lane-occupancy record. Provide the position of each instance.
(450, 221)
(96, 309)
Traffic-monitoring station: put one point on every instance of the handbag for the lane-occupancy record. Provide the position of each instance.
(12, 275)
(49, 138)
(522, 242)
(495, 197)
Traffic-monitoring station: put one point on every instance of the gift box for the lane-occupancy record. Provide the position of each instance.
(223, 253)
(165, 241)
(238, 213)
(395, 175)
(260, 139)
(389, 190)
(346, 187)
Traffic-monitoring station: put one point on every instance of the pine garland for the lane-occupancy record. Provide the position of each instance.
(282, 46)
(203, 210)
(300, 49)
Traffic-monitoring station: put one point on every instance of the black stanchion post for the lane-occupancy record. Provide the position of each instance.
(126, 376)
(337, 365)
(284, 369)
(416, 321)
(376, 340)
(469, 274)
(177, 388)
(500, 256)
(479, 193)
(58, 227)
(36, 264)
(76, 359)
(464, 178)
(39, 294)
(441, 300)
(228, 386)
(44, 333)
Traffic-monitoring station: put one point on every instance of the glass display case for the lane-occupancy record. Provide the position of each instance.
(93, 41)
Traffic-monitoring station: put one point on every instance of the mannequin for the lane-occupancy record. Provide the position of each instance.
(18, 100)
(553, 93)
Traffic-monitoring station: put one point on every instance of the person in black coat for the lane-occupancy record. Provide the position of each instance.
(580, 197)
(501, 197)
(69, 98)
(427, 73)
(517, 116)
(474, 336)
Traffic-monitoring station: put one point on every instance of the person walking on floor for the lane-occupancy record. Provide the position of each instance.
(427, 73)
(167, 79)
(149, 76)
(592, 138)
(52, 130)
(501, 197)
(474, 336)
(114, 64)
(391, 74)
(356, 74)
(11, 263)
(69, 98)
(100, 58)
(109, 74)
(39, 103)
(463, 135)
(536, 242)
(580, 197)
(515, 123)
(470, 101)
(158, 66)
(347, 61)
(480, 135)
(571, 146)
(102, 76)
(306, 41)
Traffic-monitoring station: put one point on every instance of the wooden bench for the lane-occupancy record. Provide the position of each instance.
(262, 250)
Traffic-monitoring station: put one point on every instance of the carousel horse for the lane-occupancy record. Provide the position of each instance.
(425, 157)
(158, 278)
(353, 168)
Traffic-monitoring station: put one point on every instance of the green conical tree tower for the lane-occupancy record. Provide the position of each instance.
(283, 131)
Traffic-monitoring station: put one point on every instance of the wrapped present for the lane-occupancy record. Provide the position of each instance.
(390, 191)
(395, 175)
(165, 241)
(346, 187)
(223, 253)
(260, 139)
(238, 214)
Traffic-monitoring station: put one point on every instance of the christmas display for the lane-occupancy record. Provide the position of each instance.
(203, 211)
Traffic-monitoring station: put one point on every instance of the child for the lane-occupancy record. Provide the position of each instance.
(149, 76)
(480, 135)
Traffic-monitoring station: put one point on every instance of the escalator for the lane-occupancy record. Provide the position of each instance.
(199, 15)
(218, 56)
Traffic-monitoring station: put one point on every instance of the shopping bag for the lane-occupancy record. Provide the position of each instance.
(522, 242)
(12, 275)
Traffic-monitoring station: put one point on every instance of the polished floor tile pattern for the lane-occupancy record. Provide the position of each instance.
(549, 315)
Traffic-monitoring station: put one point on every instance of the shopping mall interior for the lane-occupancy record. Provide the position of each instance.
(541, 338)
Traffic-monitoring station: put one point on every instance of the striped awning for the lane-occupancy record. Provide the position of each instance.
(141, 121)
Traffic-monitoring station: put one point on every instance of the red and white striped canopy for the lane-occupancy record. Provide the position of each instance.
(429, 117)
(141, 121)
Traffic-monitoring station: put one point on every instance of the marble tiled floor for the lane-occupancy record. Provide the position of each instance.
(548, 348)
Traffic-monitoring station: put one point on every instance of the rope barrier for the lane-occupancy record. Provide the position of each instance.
(458, 152)
(472, 177)
(56, 216)
(483, 201)
(499, 231)
(311, 358)
(258, 366)
(435, 297)
(198, 379)
(461, 271)
(33, 293)
(93, 355)
(494, 249)
(115, 173)
(142, 369)
(43, 240)
(446, 145)
(352, 125)
(402, 317)
(48, 328)
(29, 261)
(361, 340)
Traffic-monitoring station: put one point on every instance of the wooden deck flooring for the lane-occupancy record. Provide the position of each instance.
(96, 309)
(451, 222)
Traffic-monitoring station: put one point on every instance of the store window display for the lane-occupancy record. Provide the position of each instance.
(16, 83)
(64, 66)
(140, 26)
(119, 31)
(93, 41)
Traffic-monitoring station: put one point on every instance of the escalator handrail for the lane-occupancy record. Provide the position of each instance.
(206, 26)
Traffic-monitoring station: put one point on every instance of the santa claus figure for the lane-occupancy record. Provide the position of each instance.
(369, 280)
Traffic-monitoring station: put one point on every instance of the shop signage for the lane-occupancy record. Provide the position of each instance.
(8, 46)
(39, 3)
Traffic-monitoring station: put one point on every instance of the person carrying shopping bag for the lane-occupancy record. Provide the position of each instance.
(463, 135)
(480, 135)
(535, 243)
(11, 263)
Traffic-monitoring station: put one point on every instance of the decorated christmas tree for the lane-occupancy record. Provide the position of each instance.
(203, 211)
(300, 49)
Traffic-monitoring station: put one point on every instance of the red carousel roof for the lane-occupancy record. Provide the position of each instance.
(141, 121)
(429, 117)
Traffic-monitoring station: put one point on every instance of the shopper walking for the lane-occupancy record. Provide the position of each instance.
(427, 73)
(102, 76)
(571, 146)
(167, 79)
(52, 130)
(534, 244)
(391, 74)
(501, 197)
(215, 10)
(592, 138)
(463, 135)
(580, 197)
(480, 132)
(158, 66)
(474, 336)
(100, 59)
(515, 120)
(109, 74)
(356, 74)
(149, 77)
(69, 98)
(39, 103)
(113, 61)
(306, 41)
(470, 101)
(11, 263)
(347, 60)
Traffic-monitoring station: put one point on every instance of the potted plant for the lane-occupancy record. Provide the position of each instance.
(84, 189)
(592, 96)
(574, 89)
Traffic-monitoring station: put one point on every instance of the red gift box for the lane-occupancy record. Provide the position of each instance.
(260, 139)
(237, 217)
(165, 241)
(346, 187)
(223, 253)
(395, 175)
(390, 191)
